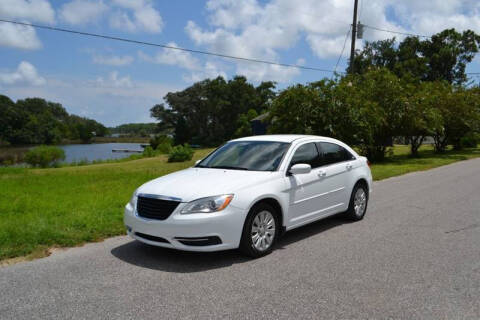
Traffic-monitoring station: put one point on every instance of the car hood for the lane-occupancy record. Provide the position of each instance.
(195, 183)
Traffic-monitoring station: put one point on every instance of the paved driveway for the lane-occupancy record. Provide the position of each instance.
(415, 255)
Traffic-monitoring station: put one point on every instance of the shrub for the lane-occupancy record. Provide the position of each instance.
(160, 140)
(469, 141)
(164, 148)
(181, 153)
(44, 156)
(148, 152)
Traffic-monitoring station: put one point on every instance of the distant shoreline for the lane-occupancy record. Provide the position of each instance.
(114, 139)
(14, 154)
(94, 140)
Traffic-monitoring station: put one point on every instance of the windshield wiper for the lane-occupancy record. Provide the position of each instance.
(229, 167)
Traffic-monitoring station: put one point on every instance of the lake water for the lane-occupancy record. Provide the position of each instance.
(98, 151)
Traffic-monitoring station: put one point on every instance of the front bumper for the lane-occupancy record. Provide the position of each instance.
(205, 228)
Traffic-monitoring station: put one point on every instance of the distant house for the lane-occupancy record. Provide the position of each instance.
(259, 125)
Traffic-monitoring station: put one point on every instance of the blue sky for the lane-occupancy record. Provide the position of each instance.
(115, 82)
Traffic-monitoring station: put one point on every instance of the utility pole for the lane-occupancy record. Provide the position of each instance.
(354, 36)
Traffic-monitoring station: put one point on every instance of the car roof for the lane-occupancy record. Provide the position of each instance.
(289, 138)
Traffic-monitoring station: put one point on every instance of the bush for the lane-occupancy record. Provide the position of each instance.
(181, 153)
(44, 156)
(469, 141)
(161, 140)
(164, 148)
(149, 152)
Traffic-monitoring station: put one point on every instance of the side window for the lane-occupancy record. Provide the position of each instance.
(306, 153)
(333, 153)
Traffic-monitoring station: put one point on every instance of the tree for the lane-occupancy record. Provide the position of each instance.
(421, 117)
(444, 56)
(378, 100)
(458, 114)
(365, 110)
(37, 121)
(244, 127)
(293, 110)
(134, 129)
(7, 118)
(207, 113)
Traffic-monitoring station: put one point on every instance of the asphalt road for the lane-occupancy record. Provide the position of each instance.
(415, 255)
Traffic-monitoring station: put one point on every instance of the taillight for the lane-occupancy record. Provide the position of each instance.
(368, 163)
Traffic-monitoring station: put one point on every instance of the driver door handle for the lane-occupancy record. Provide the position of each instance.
(349, 166)
(322, 173)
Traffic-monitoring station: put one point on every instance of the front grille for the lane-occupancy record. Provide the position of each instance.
(157, 209)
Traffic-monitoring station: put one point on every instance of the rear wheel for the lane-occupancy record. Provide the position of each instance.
(358, 202)
(260, 231)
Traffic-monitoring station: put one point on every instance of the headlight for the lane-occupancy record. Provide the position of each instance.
(133, 199)
(209, 204)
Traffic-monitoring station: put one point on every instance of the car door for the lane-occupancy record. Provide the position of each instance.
(306, 201)
(337, 162)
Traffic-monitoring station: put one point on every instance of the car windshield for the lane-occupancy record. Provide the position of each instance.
(246, 155)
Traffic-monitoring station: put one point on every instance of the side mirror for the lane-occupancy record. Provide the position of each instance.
(198, 161)
(300, 168)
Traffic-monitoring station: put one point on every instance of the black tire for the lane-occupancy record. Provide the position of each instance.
(351, 213)
(246, 243)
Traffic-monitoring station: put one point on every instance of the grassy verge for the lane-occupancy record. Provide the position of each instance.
(400, 162)
(45, 208)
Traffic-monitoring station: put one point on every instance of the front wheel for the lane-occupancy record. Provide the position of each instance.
(260, 231)
(358, 202)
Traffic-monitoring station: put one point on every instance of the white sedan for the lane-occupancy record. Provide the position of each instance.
(248, 192)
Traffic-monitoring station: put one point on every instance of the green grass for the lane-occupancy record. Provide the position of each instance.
(43, 208)
(400, 162)
(62, 207)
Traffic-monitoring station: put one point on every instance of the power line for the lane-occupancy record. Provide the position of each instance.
(396, 32)
(359, 16)
(221, 55)
(343, 48)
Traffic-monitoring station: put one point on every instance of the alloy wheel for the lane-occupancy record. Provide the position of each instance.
(263, 230)
(360, 202)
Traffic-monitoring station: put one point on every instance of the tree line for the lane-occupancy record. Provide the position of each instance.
(213, 110)
(134, 129)
(411, 89)
(37, 121)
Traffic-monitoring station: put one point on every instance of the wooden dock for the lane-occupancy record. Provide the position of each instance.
(127, 150)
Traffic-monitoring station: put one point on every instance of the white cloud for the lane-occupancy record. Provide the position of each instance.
(18, 36)
(301, 61)
(260, 30)
(429, 17)
(256, 72)
(211, 70)
(34, 10)
(108, 104)
(79, 12)
(114, 81)
(117, 61)
(126, 15)
(143, 16)
(172, 57)
(26, 73)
